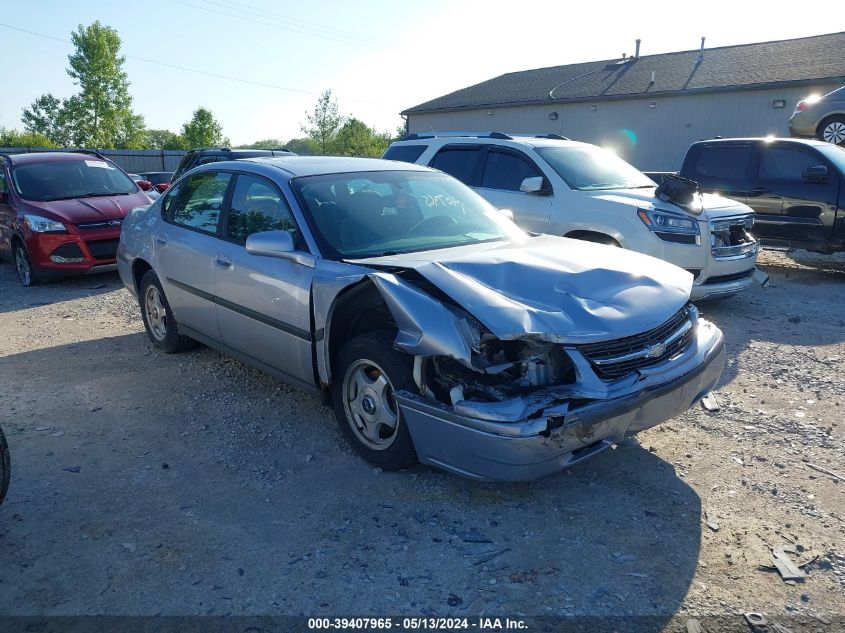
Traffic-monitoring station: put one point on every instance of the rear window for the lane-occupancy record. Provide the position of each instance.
(460, 162)
(66, 179)
(405, 153)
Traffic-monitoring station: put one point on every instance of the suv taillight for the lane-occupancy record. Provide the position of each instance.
(801, 106)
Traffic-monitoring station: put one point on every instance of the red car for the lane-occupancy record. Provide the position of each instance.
(60, 212)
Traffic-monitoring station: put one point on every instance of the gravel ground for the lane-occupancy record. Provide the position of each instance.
(192, 484)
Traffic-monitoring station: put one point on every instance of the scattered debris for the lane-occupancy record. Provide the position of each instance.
(128, 546)
(487, 559)
(709, 402)
(827, 472)
(711, 522)
(474, 536)
(787, 569)
(693, 626)
(525, 576)
(72, 469)
(453, 601)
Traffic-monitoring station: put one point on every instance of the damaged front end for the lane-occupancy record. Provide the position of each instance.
(514, 405)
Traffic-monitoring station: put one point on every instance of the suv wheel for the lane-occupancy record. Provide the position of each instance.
(23, 265)
(369, 373)
(832, 130)
(161, 326)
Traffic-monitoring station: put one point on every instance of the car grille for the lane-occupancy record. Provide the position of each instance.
(723, 279)
(103, 249)
(100, 224)
(730, 238)
(615, 359)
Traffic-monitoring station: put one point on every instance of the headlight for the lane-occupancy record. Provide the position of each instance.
(662, 222)
(43, 225)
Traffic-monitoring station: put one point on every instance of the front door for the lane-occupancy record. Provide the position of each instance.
(7, 214)
(186, 244)
(263, 303)
(787, 206)
(503, 173)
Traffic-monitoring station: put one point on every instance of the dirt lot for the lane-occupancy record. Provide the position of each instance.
(192, 484)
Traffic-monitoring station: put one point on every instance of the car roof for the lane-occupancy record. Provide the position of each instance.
(240, 152)
(44, 157)
(318, 165)
(512, 140)
(762, 139)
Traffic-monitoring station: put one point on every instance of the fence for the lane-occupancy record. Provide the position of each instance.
(131, 160)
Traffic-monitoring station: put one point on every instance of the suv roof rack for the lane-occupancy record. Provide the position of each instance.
(421, 135)
(556, 137)
(93, 152)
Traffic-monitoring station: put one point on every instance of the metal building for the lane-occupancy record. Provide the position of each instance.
(649, 108)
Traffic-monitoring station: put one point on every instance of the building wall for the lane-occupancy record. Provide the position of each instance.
(651, 133)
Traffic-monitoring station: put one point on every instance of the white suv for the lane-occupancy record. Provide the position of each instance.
(558, 186)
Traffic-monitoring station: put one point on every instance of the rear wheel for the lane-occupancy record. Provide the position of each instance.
(23, 265)
(369, 373)
(161, 325)
(5, 466)
(832, 130)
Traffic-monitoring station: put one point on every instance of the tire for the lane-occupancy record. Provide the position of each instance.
(23, 265)
(368, 372)
(5, 466)
(597, 238)
(162, 328)
(832, 130)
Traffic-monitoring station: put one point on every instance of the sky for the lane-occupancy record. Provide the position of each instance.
(272, 58)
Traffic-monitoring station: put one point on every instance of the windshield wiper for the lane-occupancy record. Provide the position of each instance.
(101, 194)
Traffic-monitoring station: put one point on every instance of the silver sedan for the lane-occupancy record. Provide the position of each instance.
(441, 332)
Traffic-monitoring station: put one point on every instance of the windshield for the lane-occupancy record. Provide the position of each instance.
(63, 179)
(591, 168)
(835, 154)
(368, 214)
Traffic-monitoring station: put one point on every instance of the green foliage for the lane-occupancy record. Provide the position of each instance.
(270, 143)
(44, 117)
(356, 138)
(100, 114)
(12, 138)
(324, 124)
(203, 130)
(163, 139)
(302, 146)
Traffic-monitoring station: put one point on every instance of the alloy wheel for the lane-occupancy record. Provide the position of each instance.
(834, 132)
(156, 313)
(370, 406)
(23, 267)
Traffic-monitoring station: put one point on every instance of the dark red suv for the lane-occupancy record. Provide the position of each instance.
(60, 212)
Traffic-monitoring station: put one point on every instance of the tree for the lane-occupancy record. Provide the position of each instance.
(324, 124)
(100, 115)
(356, 138)
(270, 143)
(44, 117)
(13, 138)
(163, 139)
(203, 130)
(302, 146)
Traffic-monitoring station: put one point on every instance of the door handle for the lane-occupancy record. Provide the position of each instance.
(222, 260)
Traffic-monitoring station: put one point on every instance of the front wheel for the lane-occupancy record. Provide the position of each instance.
(23, 265)
(5, 466)
(161, 325)
(832, 130)
(369, 372)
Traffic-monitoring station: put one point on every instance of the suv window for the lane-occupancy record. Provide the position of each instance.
(507, 170)
(460, 162)
(196, 201)
(257, 205)
(786, 163)
(405, 153)
(723, 166)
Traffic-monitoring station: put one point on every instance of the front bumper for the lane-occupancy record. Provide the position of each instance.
(73, 253)
(561, 436)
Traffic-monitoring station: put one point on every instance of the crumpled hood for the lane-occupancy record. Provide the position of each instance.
(79, 210)
(558, 289)
(713, 205)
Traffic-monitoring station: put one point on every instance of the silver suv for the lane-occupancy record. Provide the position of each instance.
(442, 331)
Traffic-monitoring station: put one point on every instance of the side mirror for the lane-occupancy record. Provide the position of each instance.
(145, 185)
(277, 244)
(508, 214)
(816, 173)
(534, 184)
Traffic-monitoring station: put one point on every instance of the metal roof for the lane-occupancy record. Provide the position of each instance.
(726, 68)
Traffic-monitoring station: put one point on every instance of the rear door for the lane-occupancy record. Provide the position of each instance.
(263, 303)
(186, 244)
(787, 206)
(503, 172)
(723, 168)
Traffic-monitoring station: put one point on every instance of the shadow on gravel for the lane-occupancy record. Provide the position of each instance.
(130, 446)
(14, 297)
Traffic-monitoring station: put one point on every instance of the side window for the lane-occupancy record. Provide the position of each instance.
(257, 206)
(405, 153)
(196, 201)
(210, 159)
(786, 163)
(723, 166)
(506, 171)
(460, 162)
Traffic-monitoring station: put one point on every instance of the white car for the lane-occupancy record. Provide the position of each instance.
(563, 187)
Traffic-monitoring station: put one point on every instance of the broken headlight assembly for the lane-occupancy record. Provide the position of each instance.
(671, 227)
